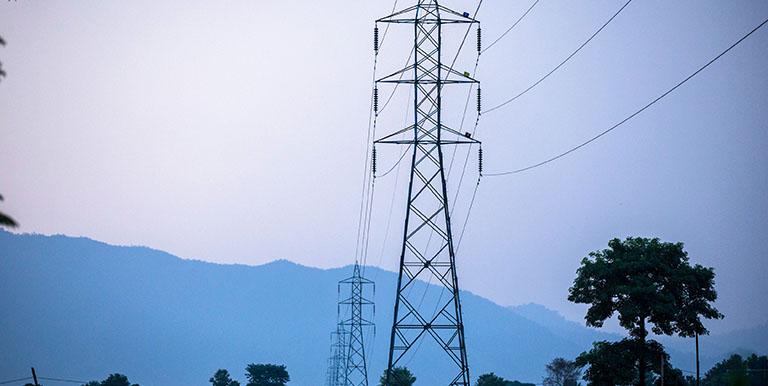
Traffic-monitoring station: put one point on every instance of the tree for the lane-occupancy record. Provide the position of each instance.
(736, 371)
(266, 375)
(4, 218)
(490, 379)
(112, 380)
(222, 378)
(615, 363)
(757, 369)
(399, 376)
(646, 281)
(117, 380)
(562, 372)
(610, 363)
(2, 73)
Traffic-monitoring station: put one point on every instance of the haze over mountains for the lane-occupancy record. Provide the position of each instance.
(78, 308)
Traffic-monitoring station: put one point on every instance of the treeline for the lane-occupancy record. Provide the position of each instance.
(257, 375)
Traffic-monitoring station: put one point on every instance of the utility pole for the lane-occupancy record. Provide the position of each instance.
(34, 377)
(427, 252)
(698, 377)
(355, 367)
(662, 369)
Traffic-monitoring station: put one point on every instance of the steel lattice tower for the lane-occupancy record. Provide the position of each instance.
(355, 369)
(427, 252)
(337, 361)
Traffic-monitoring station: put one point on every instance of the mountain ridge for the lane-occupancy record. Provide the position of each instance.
(83, 308)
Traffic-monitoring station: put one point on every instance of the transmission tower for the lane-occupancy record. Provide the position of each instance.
(427, 252)
(337, 361)
(356, 370)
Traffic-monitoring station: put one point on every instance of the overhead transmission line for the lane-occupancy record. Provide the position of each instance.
(648, 105)
(510, 28)
(536, 83)
(366, 205)
(63, 380)
(389, 98)
(14, 380)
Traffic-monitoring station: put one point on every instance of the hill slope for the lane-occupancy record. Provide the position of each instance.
(77, 308)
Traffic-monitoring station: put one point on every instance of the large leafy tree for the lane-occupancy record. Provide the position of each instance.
(562, 372)
(222, 378)
(646, 282)
(266, 375)
(399, 376)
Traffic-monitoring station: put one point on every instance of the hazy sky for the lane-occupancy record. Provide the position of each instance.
(235, 132)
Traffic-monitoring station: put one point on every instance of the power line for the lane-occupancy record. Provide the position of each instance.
(14, 380)
(510, 28)
(63, 380)
(689, 77)
(510, 100)
(402, 155)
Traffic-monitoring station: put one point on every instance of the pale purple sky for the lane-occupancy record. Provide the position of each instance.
(235, 132)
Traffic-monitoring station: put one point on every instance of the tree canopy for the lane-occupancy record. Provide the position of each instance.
(490, 379)
(616, 363)
(4, 218)
(222, 378)
(2, 73)
(735, 370)
(399, 376)
(266, 375)
(646, 281)
(112, 380)
(562, 372)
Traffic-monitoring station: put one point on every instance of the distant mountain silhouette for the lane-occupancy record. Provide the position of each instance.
(562, 327)
(78, 308)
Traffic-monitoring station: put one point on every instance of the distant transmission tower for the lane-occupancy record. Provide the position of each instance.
(427, 252)
(356, 370)
(337, 361)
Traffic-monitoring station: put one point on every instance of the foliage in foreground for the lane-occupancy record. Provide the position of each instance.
(615, 363)
(562, 372)
(736, 371)
(112, 380)
(266, 375)
(491, 379)
(222, 378)
(4, 218)
(399, 376)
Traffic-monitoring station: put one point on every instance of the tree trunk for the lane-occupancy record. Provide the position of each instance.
(642, 352)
